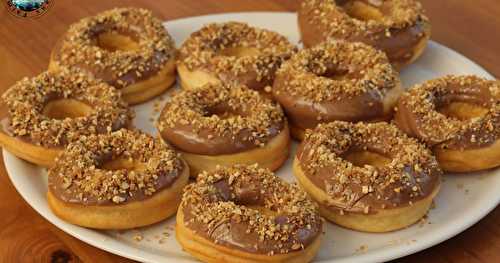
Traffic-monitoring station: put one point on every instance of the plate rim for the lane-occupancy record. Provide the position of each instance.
(382, 254)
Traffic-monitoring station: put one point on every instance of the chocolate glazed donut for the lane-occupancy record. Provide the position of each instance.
(458, 116)
(397, 27)
(232, 52)
(224, 125)
(55, 108)
(121, 180)
(234, 214)
(367, 176)
(336, 80)
(127, 48)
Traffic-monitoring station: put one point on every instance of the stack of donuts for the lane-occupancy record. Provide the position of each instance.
(370, 158)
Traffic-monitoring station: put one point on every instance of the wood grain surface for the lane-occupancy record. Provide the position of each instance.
(470, 27)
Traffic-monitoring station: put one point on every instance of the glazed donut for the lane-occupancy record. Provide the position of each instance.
(120, 180)
(397, 27)
(367, 177)
(50, 110)
(126, 47)
(225, 125)
(232, 52)
(336, 80)
(459, 117)
(247, 214)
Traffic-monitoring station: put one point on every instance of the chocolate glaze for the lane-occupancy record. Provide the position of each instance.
(150, 161)
(70, 195)
(7, 129)
(453, 136)
(203, 51)
(109, 75)
(383, 196)
(399, 46)
(248, 75)
(210, 142)
(302, 112)
(233, 234)
(80, 48)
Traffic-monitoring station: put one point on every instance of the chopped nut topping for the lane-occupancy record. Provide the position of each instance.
(252, 115)
(27, 98)
(78, 47)
(355, 188)
(434, 127)
(202, 49)
(158, 166)
(336, 22)
(285, 215)
(363, 69)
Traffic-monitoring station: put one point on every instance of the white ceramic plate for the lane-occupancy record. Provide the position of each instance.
(463, 200)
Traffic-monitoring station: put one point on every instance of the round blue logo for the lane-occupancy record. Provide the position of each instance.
(28, 8)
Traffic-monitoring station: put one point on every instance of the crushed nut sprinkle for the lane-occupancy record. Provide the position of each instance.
(81, 164)
(335, 21)
(253, 113)
(288, 220)
(28, 97)
(202, 48)
(435, 127)
(359, 189)
(362, 68)
(155, 46)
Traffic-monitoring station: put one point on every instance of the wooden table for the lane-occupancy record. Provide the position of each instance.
(470, 27)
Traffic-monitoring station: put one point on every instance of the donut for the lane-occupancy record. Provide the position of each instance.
(223, 125)
(120, 180)
(458, 117)
(50, 110)
(367, 176)
(232, 52)
(247, 214)
(336, 80)
(126, 47)
(397, 27)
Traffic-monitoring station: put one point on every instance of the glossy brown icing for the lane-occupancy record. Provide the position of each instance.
(216, 119)
(336, 81)
(27, 98)
(398, 37)
(243, 204)
(204, 51)
(418, 113)
(79, 175)
(79, 47)
(411, 175)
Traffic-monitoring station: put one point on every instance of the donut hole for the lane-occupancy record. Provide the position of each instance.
(361, 10)
(122, 163)
(115, 41)
(222, 112)
(461, 110)
(361, 158)
(61, 109)
(263, 210)
(335, 74)
(239, 52)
